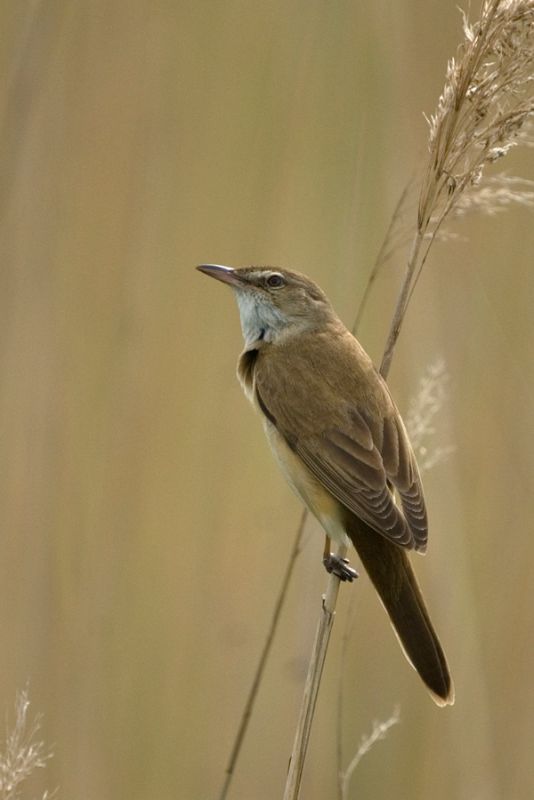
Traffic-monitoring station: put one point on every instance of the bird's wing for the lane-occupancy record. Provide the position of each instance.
(357, 460)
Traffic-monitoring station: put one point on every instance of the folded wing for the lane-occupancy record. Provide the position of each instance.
(359, 460)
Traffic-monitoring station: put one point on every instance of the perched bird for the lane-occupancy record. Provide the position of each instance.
(340, 442)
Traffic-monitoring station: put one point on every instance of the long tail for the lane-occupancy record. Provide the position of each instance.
(391, 573)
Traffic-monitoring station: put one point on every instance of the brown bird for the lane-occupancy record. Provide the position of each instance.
(340, 442)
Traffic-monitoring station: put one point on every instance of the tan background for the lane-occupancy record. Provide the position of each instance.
(144, 526)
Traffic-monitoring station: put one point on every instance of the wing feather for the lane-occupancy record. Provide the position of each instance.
(357, 460)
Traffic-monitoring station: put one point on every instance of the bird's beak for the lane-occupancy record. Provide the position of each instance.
(225, 274)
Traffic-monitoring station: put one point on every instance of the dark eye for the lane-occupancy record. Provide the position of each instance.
(275, 281)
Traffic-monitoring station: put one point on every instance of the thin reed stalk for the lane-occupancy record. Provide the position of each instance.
(262, 663)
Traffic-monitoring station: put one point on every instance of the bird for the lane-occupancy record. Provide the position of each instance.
(340, 442)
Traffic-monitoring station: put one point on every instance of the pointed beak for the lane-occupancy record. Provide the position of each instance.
(224, 274)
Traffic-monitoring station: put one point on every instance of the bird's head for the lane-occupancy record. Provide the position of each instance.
(273, 303)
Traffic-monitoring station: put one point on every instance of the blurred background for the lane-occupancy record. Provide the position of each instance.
(145, 528)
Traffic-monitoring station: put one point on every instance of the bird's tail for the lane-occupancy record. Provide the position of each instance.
(391, 573)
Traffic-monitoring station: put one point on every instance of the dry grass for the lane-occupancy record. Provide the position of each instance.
(428, 400)
(485, 105)
(23, 752)
(484, 110)
(494, 195)
(379, 732)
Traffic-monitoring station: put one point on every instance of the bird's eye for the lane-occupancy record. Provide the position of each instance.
(275, 281)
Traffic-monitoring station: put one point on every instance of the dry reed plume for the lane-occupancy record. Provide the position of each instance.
(379, 732)
(423, 410)
(22, 752)
(484, 110)
(484, 106)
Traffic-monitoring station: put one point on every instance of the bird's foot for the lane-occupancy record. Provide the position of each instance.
(340, 567)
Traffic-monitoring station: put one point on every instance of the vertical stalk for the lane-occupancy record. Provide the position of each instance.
(402, 303)
(313, 680)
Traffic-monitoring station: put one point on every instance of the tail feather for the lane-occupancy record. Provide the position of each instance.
(391, 573)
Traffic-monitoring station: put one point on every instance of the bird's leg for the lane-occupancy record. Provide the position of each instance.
(339, 566)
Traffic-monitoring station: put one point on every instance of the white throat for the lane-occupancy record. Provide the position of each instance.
(259, 319)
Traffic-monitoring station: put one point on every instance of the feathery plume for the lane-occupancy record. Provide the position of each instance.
(422, 411)
(379, 732)
(22, 752)
(485, 107)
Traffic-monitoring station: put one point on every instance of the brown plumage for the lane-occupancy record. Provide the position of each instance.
(340, 442)
(355, 446)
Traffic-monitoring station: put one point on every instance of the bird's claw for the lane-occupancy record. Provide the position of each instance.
(340, 567)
